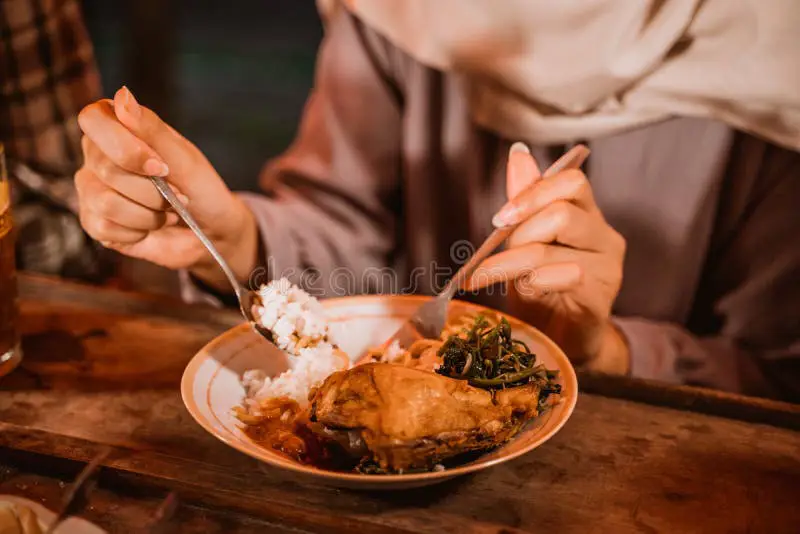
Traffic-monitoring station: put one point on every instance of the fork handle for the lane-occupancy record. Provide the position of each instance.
(572, 159)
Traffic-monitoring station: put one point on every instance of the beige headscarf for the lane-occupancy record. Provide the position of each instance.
(549, 71)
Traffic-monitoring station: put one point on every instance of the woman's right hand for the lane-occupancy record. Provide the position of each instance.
(124, 143)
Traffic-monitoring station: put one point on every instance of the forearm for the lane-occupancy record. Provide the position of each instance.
(669, 353)
(319, 241)
(614, 355)
(243, 253)
(328, 249)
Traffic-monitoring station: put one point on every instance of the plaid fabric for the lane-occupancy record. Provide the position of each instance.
(47, 74)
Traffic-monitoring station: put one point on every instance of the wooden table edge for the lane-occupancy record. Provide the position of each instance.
(143, 469)
(701, 400)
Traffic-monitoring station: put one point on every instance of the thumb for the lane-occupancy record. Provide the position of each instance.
(522, 170)
(179, 154)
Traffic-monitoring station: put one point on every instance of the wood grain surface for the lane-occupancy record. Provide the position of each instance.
(103, 367)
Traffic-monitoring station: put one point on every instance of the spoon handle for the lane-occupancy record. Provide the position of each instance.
(169, 195)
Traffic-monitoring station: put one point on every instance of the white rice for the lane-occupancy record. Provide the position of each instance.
(300, 327)
(291, 313)
(392, 352)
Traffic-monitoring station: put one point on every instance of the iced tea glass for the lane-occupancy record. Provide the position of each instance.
(10, 353)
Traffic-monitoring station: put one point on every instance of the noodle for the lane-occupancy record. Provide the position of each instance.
(423, 353)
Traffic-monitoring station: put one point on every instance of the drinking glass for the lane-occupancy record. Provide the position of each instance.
(10, 352)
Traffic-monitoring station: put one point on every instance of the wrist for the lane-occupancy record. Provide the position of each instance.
(238, 245)
(614, 354)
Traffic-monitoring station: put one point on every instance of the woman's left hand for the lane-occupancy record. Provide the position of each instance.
(563, 264)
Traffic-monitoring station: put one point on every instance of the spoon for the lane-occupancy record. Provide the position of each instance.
(247, 298)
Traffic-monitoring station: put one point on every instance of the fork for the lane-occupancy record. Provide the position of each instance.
(429, 319)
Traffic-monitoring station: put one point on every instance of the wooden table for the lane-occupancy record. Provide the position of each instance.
(103, 367)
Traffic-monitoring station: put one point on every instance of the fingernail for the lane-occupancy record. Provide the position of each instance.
(508, 215)
(154, 167)
(130, 103)
(519, 146)
(180, 196)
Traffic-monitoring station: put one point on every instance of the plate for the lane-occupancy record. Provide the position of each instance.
(210, 386)
(71, 525)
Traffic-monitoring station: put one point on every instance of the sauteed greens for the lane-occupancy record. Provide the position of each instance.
(489, 358)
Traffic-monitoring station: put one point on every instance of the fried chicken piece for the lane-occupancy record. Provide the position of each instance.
(406, 418)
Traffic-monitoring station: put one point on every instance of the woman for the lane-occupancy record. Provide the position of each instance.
(402, 151)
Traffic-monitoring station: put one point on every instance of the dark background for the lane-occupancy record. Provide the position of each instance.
(232, 76)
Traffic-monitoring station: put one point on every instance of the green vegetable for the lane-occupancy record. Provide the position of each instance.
(489, 358)
(508, 378)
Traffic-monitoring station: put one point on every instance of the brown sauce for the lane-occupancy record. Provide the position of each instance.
(284, 427)
(277, 428)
